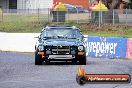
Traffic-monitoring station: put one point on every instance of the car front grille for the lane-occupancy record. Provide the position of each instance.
(60, 49)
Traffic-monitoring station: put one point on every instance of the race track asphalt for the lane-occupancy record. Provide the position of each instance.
(17, 70)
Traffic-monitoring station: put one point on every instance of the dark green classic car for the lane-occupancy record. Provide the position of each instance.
(60, 43)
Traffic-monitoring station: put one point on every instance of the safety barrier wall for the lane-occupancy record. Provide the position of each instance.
(129, 49)
(104, 47)
(21, 42)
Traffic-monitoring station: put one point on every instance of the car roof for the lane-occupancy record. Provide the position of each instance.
(61, 27)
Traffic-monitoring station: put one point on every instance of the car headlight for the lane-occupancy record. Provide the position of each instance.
(41, 48)
(80, 48)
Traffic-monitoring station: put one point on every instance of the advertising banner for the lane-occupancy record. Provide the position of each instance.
(106, 47)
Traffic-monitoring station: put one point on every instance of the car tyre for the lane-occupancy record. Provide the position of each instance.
(38, 59)
(74, 62)
(47, 62)
(82, 61)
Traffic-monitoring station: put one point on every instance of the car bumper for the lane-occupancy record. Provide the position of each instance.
(60, 57)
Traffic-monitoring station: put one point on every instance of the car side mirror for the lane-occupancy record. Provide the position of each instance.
(82, 36)
(36, 37)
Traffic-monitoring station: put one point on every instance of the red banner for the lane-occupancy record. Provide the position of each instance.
(129, 49)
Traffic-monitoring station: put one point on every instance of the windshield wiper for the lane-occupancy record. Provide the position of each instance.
(49, 37)
(71, 38)
(54, 37)
(65, 37)
(60, 36)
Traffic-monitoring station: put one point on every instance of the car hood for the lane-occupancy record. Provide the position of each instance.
(62, 42)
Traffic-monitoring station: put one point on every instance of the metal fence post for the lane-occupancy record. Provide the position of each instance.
(28, 11)
(113, 16)
(67, 16)
(126, 16)
(77, 16)
(89, 16)
(38, 14)
(1, 14)
(99, 20)
(57, 16)
(48, 15)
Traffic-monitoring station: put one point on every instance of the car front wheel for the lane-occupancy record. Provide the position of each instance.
(82, 60)
(38, 59)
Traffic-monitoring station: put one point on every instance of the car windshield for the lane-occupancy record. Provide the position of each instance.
(61, 33)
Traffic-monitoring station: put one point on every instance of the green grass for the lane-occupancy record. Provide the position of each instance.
(22, 24)
(114, 31)
(110, 34)
(19, 27)
(33, 24)
(24, 18)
